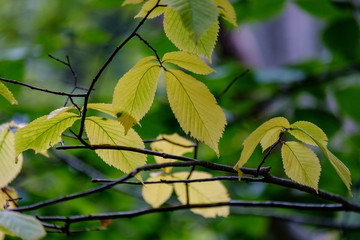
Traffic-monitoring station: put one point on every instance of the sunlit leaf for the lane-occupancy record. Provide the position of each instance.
(195, 108)
(134, 93)
(43, 133)
(21, 225)
(8, 197)
(181, 37)
(105, 131)
(171, 144)
(270, 138)
(255, 137)
(59, 111)
(202, 193)
(157, 194)
(310, 129)
(148, 6)
(301, 164)
(196, 15)
(339, 167)
(227, 11)
(9, 165)
(188, 61)
(103, 107)
(5, 92)
(126, 2)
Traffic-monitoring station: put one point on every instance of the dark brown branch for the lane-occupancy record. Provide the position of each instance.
(42, 89)
(233, 203)
(98, 75)
(153, 49)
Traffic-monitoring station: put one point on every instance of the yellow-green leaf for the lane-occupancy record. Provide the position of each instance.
(103, 107)
(339, 167)
(21, 225)
(158, 193)
(59, 111)
(8, 196)
(181, 37)
(307, 132)
(171, 144)
(105, 131)
(196, 15)
(227, 11)
(301, 164)
(270, 138)
(43, 133)
(195, 108)
(202, 193)
(126, 2)
(188, 61)
(255, 137)
(5, 92)
(148, 6)
(134, 93)
(9, 165)
(341, 170)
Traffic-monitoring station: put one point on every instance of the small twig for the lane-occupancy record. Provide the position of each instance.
(153, 49)
(231, 83)
(42, 89)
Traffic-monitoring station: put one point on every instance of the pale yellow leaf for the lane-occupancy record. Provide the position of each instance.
(158, 193)
(2, 236)
(148, 6)
(308, 129)
(9, 165)
(59, 111)
(227, 11)
(270, 138)
(182, 38)
(126, 2)
(43, 133)
(301, 164)
(7, 126)
(341, 170)
(134, 93)
(188, 61)
(255, 137)
(202, 193)
(195, 108)
(5, 92)
(21, 225)
(105, 131)
(8, 196)
(339, 167)
(103, 107)
(171, 144)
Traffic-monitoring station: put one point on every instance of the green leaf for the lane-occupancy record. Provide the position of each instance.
(188, 61)
(21, 225)
(301, 164)
(340, 168)
(255, 137)
(135, 91)
(158, 193)
(346, 99)
(105, 131)
(270, 138)
(227, 11)
(5, 92)
(147, 7)
(196, 15)
(311, 129)
(202, 193)
(43, 133)
(126, 2)
(181, 37)
(9, 165)
(319, 8)
(195, 108)
(103, 107)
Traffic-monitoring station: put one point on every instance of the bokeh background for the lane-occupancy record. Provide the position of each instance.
(304, 60)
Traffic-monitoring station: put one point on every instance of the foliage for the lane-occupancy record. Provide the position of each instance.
(184, 89)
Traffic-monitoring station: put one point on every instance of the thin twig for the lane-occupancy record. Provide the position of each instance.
(153, 49)
(231, 83)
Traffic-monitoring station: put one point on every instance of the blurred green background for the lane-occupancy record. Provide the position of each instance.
(303, 58)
